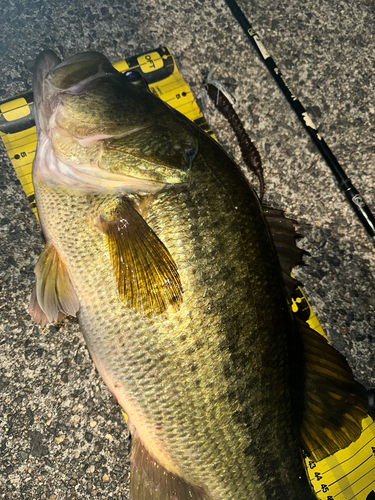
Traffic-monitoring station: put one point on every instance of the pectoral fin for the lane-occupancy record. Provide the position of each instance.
(53, 294)
(150, 481)
(335, 404)
(146, 274)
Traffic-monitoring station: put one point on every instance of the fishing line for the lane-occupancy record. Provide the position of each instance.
(355, 200)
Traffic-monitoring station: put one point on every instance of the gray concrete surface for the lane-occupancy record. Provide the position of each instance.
(61, 434)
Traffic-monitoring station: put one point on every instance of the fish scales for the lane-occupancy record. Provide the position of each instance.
(194, 383)
(168, 261)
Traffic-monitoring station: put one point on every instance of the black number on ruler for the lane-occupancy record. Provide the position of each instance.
(330, 497)
(312, 464)
(373, 450)
(149, 59)
(325, 488)
(318, 476)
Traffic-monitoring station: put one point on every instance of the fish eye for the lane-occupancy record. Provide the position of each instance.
(135, 78)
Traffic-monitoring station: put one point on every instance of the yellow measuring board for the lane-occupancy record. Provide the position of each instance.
(20, 143)
(348, 474)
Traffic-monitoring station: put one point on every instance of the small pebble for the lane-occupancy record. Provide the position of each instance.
(75, 419)
(60, 439)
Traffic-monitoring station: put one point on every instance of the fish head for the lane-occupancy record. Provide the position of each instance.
(99, 129)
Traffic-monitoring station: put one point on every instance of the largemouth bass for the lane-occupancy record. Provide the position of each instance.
(160, 247)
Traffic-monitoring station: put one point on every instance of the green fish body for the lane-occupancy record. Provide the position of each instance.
(162, 250)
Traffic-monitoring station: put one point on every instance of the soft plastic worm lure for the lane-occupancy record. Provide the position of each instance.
(223, 101)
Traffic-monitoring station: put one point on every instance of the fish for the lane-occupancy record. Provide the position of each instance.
(179, 279)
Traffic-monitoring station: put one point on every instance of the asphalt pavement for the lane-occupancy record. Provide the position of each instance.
(61, 434)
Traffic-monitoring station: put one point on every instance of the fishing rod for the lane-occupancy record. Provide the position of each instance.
(356, 201)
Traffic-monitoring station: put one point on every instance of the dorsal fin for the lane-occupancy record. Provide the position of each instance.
(150, 481)
(53, 294)
(334, 403)
(284, 237)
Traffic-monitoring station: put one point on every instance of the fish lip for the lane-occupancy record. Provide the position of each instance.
(44, 63)
(85, 56)
(92, 64)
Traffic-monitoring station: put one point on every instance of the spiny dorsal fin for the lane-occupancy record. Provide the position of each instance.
(150, 481)
(146, 274)
(53, 294)
(335, 404)
(284, 237)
